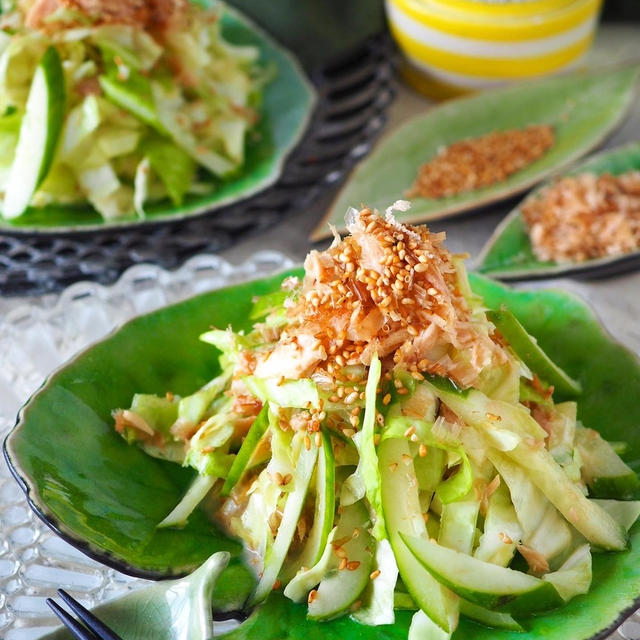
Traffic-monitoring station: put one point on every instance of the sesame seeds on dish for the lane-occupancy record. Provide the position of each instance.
(481, 162)
(585, 217)
(386, 289)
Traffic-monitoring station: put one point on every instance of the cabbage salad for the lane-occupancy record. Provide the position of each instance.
(381, 440)
(120, 103)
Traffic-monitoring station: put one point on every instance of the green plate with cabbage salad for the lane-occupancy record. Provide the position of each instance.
(383, 435)
(124, 118)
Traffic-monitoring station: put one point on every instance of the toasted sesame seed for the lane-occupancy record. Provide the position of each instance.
(505, 538)
(353, 565)
(374, 574)
(351, 398)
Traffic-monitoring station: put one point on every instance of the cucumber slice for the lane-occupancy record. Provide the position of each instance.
(531, 354)
(195, 495)
(340, 588)
(404, 601)
(492, 619)
(39, 134)
(458, 523)
(325, 505)
(300, 585)
(251, 441)
(274, 558)
(593, 522)
(483, 583)
(429, 469)
(368, 464)
(606, 475)
(626, 512)
(403, 514)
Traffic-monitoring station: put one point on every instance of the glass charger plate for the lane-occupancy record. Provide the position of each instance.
(39, 334)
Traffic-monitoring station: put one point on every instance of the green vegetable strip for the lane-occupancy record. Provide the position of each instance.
(300, 585)
(368, 455)
(240, 462)
(593, 522)
(458, 485)
(531, 354)
(268, 303)
(458, 523)
(277, 552)
(403, 514)
(194, 496)
(325, 505)
(493, 619)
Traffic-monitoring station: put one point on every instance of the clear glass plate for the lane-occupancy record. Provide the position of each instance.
(39, 334)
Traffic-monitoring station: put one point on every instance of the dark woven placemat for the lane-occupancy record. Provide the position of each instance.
(353, 96)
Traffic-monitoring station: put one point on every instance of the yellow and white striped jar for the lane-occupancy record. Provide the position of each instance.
(455, 46)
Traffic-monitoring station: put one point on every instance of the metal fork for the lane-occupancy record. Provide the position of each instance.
(93, 629)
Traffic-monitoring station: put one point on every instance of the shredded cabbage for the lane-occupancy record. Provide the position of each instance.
(149, 116)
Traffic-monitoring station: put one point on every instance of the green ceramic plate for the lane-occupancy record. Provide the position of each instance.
(106, 497)
(287, 104)
(508, 254)
(583, 108)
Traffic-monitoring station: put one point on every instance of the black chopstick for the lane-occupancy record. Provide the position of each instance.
(94, 629)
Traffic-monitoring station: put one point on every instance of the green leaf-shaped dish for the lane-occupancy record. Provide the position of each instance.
(287, 103)
(583, 108)
(106, 497)
(508, 254)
